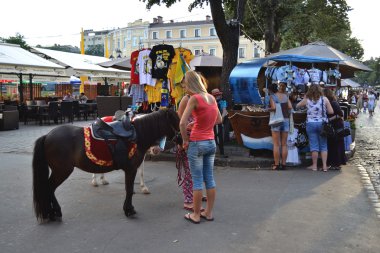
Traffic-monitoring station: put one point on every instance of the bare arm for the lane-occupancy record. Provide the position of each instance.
(302, 103)
(191, 105)
(272, 104)
(182, 105)
(330, 110)
(219, 118)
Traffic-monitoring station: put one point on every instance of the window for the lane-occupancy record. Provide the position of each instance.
(197, 32)
(212, 51)
(241, 52)
(145, 34)
(155, 35)
(134, 43)
(182, 34)
(118, 43)
(256, 53)
(212, 31)
(129, 34)
(197, 51)
(125, 43)
(168, 34)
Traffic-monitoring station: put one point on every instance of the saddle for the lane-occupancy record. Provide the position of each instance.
(117, 135)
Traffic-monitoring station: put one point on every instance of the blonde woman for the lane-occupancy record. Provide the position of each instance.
(200, 145)
(318, 107)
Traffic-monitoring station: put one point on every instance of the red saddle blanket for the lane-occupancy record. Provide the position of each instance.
(97, 150)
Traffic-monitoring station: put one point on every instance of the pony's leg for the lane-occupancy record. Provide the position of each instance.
(143, 187)
(55, 180)
(130, 175)
(103, 179)
(94, 182)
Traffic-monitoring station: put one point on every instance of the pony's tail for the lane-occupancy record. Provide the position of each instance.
(41, 195)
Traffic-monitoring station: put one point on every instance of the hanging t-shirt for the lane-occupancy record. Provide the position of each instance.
(145, 68)
(134, 69)
(315, 75)
(161, 56)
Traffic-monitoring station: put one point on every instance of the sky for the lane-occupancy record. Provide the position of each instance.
(48, 22)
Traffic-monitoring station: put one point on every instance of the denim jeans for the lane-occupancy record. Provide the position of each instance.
(201, 155)
(316, 141)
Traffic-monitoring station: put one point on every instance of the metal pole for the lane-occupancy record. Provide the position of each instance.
(21, 89)
(31, 86)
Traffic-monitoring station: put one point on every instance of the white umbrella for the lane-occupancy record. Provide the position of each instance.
(206, 61)
(349, 82)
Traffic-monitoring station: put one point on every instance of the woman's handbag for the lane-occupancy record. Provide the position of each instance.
(327, 130)
(276, 117)
(342, 132)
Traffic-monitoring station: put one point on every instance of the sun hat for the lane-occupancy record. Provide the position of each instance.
(216, 92)
(118, 115)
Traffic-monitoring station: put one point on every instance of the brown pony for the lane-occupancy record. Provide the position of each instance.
(62, 149)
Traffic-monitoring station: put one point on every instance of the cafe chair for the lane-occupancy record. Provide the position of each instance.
(80, 110)
(67, 111)
(49, 113)
(9, 118)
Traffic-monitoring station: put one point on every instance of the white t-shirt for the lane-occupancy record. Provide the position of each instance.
(145, 68)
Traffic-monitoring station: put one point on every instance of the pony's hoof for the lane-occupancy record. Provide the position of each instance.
(94, 183)
(43, 221)
(130, 213)
(145, 190)
(104, 182)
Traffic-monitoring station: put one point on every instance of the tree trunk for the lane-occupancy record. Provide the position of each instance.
(229, 35)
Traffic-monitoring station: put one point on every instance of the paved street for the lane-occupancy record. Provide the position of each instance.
(256, 210)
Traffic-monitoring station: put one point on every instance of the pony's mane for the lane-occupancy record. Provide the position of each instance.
(148, 128)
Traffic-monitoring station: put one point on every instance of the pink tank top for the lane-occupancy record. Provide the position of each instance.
(205, 116)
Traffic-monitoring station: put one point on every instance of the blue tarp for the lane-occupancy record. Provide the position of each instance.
(243, 78)
(243, 82)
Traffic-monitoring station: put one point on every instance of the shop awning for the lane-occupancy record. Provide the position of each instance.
(82, 65)
(15, 60)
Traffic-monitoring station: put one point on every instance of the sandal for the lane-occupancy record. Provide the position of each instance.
(275, 167)
(204, 216)
(283, 167)
(188, 218)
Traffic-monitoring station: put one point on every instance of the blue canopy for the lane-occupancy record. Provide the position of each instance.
(301, 58)
(243, 82)
(243, 78)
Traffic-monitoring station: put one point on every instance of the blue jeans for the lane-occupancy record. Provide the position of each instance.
(201, 155)
(316, 141)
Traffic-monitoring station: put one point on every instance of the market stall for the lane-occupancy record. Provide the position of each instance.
(249, 79)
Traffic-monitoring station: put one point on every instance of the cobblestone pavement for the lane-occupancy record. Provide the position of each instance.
(367, 156)
(22, 141)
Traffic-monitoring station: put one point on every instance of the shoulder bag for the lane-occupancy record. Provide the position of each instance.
(276, 117)
(327, 129)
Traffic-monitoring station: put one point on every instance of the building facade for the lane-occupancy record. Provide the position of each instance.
(198, 36)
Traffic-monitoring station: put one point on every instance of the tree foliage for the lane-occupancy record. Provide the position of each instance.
(62, 48)
(287, 24)
(370, 78)
(17, 39)
(97, 50)
(227, 29)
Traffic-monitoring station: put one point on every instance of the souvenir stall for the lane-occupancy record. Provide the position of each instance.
(156, 74)
(249, 83)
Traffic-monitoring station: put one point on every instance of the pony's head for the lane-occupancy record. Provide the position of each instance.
(173, 121)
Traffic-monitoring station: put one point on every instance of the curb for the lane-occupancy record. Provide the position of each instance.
(241, 159)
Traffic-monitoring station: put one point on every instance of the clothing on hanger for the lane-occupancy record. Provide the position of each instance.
(161, 56)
